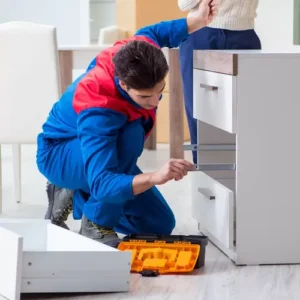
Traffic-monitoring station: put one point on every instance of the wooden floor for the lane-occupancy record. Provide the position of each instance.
(220, 279)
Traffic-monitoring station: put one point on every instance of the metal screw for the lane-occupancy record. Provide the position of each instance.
(28, 282)
(29, 264)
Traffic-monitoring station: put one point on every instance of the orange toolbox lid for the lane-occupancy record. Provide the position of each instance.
(161, 257)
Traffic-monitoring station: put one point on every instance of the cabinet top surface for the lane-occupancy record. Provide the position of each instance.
(295, 50)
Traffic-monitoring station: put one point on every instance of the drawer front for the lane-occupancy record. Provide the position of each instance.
(215, 99)
(213, 207)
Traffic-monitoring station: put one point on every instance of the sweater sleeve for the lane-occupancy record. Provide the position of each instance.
(168, 34)
(186, 5)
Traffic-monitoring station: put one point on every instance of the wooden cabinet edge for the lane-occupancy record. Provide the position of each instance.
(226, 63)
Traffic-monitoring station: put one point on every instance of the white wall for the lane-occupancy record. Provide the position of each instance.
(71, 17)
(274, 24)
(77, 21)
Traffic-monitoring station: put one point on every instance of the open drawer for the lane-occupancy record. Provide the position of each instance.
(213, 206)
(38, 257)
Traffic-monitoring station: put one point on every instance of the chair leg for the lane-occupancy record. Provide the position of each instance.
(16, 148)
(0, 182)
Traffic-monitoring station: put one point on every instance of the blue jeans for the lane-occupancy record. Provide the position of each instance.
(205, 39)
(61, 163)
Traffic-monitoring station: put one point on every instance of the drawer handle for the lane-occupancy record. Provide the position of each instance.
(215, 167)
(208, 87)
(209, 147)
(204, 192)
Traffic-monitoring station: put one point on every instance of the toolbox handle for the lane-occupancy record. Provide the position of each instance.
(206, 193)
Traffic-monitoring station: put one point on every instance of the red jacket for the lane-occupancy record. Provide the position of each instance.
(99, 88)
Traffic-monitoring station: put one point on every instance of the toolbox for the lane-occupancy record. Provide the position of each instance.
(153, 254)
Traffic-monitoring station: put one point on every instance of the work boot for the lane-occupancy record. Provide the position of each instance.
(60, 205)
(95, 232)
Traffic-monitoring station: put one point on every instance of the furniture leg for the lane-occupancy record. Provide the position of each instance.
(16, 150)
(176, 106)
(66, 68)
(150, 143)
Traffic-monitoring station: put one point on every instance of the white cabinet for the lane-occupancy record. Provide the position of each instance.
(253, 214)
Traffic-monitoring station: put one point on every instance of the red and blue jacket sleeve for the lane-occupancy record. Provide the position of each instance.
(168, 34)
(98, 129)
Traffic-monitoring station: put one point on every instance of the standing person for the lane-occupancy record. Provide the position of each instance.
(91, 141)
(232, 28)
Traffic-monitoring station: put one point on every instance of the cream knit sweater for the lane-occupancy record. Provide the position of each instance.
(232, 14)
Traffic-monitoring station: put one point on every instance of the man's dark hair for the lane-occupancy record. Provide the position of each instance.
(140, 65)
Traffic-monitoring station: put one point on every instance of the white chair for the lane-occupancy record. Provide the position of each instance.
(111, 34)
(29, 85)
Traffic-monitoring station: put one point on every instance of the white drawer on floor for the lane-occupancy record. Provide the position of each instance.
(213, 207)
(38, 257)
(215, 99)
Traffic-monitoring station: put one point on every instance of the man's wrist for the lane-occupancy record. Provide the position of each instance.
(194, 23)
(152, 179)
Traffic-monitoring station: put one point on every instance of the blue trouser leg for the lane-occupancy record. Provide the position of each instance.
(148, 212)
(205, 39)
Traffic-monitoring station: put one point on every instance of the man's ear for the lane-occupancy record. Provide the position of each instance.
(123, 85)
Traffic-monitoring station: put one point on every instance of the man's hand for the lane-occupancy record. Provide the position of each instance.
(174, 169)
(205, 14)
(207, 11)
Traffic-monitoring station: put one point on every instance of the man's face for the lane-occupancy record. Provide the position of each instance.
(147, 99)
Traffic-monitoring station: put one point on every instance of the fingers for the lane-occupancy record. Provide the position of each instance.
(180, 168)
(189, 166)
(214, 7)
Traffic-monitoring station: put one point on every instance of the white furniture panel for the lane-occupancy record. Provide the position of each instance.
(11, 264)
(50, 259)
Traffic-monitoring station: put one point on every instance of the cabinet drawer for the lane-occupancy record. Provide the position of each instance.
(213, 207)
(215, 99)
